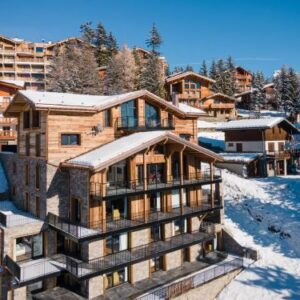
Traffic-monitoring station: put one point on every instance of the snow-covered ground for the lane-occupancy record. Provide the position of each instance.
(265, 214)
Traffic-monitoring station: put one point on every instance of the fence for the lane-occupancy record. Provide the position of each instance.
(175, 289)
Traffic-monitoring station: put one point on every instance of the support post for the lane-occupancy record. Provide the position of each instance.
(145, 185)
(181, 180)
(212, 200)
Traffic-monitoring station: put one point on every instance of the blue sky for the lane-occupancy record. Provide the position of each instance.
(259, 34)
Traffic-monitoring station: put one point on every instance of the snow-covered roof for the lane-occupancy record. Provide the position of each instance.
(191, 110)
(240, 157)
(180, 75)
(123, 147)
(206, 125)
(262, 123)
(216, 95)
(268, 85)
(92, 103)
(17, 83)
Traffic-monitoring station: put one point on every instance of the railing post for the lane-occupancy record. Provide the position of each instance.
(212, 186)
(145, 185)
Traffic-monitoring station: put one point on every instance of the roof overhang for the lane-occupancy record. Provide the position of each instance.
(179, 76)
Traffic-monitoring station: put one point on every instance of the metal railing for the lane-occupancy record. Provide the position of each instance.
(172, 290)
(144, 123)
(127, 257)
(31, 270)
(116, 188)
(111, 224)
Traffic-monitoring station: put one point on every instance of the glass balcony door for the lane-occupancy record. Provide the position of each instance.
(116, 209)
(129, 114)
(151, 116)
(155, 173)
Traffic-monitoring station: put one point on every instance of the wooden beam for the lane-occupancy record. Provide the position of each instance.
(212, 200)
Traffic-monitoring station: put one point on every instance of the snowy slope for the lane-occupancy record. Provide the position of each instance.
(265, 214)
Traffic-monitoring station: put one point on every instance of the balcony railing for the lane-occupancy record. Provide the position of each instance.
(35, 270)
(134, 123)
(132, 187)
(279, 154)
(222, 105)
(4, 134)
(112, 225)
(124, 258)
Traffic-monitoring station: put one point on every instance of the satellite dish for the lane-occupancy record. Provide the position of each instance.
(97, 129)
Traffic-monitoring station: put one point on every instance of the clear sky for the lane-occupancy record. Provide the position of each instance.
(259, 34)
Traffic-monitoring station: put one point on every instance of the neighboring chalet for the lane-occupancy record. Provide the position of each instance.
(8, 131)
(243, 79)
(271, 137)
(219, 106)
(189, 87)
(109, 190)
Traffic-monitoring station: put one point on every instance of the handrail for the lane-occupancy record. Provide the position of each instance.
(108, 262)
(112, 188)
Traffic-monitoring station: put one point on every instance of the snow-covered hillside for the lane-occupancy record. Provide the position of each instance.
(265, 214)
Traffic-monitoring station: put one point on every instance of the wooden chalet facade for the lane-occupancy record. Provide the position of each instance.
(8, 130)
(119, 186)
(271, 137)
(243, 79)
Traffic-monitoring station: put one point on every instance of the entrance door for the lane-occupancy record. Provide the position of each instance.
(239, 147)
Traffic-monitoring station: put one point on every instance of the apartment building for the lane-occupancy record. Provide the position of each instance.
(107, 194)
(272, 138)
(8, 130)
(243, 79)
(27, 61)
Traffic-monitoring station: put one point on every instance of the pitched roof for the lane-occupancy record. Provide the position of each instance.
(67, 40)
(88, 103)
(180, 75)
(216, 95)
(271, 84)
(191, 110)
(243, 69)
(14, 83)
(263, 123)
(126, 146)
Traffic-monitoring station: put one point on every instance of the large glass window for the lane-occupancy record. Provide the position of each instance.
(116, 243)
(155, 173)
(151, 115)
(29, 247)
(129, 114)
(70, 139)
(116, 278)
(116, 209)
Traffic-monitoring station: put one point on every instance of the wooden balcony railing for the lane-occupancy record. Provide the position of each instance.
(134, 123)
(222, 106)
(8, 134)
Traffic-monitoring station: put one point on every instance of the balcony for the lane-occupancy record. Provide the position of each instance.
(35, 270)
(196, 96)
(133, 187)
(222, 106)
(8, 134)
(279, 154)
(101, 228)
(7, 121)
(142, 124)
(111, 262)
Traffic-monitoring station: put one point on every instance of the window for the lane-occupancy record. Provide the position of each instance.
(151, 115)
(116, 243)
(26, 201)
(230, 144)
(29, 247)
(70, 139)
(35, 119)
(281, 146)
(39, 49)
(27, 144)
(37, 176)
(156, 264)
(37, 206)
(26, 119)
(26, 174)
(107, 118)
(115, 278)
(37, 145)
(179, 226)
(129, 114)
(271, 147)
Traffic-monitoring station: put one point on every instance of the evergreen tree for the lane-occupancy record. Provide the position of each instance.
(178, 69)
(189, 68)
(121, 73)
(294, 93)
(151, 77)
(154, 41)
(203, 69)
(111, 45)
(230, 64)
(87, 33)
(74, 70)
(258, 96)
(213, 70)
(101, 45)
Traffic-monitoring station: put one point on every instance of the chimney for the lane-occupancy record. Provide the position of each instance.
(175, 99)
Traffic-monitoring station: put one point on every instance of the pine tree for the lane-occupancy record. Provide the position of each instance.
(189, 68)
(178, 69)
(294, 93)
(87, 33)
(151, 78)
(203, 69)
(121, 73)
(258, 96)
(213, 70)
(101, 52)
(74, 70)
(111, 45)
(230, 64)
(154, 41)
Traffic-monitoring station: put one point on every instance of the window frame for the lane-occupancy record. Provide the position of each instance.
(69, 134)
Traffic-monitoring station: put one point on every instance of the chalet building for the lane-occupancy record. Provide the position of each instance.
(8, 131)
(219, 106)
(188, 87)
(243, 79)
(28, 61)
(271, 137)
(107, 190)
